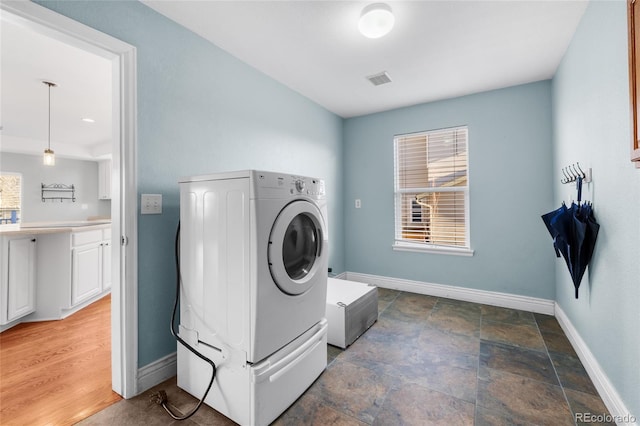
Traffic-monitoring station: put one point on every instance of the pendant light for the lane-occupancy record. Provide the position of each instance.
(49, 157)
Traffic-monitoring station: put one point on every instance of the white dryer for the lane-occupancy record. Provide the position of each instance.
(253, 260)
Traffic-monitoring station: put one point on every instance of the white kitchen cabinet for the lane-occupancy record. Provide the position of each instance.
(106, 259)
(74, 271)
(86, 280)
(18, 282)
(104, 180)
(91, 261)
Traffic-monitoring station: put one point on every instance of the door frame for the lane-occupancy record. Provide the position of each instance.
(124, 292)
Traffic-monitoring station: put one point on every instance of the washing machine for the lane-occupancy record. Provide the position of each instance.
(253, 261)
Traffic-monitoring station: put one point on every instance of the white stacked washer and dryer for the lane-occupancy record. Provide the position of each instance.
(253, 259)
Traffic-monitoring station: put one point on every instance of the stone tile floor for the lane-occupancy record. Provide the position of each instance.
(426, 361)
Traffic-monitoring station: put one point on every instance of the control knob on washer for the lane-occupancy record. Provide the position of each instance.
(300, 185)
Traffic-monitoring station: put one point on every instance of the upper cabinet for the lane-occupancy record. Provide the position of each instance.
(633, 15)
(104, 180)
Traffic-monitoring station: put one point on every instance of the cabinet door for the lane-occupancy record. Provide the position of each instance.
(104, 180)
(106, 265)
(22, 278)
(87, 273)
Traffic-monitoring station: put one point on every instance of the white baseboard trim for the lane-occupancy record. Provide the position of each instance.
(504, 300)
(156, 372)
(605, 388)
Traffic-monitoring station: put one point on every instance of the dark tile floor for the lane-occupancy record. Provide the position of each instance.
(426, 361)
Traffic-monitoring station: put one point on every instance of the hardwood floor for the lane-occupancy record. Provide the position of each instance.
(57, 372)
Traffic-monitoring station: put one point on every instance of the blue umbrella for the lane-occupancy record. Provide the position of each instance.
(574, 231)
(552, 217)
(585, 215)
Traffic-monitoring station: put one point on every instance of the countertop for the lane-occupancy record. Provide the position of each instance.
(33, 228)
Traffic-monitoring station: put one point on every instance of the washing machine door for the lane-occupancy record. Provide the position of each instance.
(296, 247)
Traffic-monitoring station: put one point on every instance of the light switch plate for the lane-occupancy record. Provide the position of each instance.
(151, 204)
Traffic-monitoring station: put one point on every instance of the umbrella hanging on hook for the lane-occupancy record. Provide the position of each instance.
(574, 231)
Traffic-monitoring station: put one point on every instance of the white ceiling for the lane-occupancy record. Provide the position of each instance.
(436, 50)
(84, 91)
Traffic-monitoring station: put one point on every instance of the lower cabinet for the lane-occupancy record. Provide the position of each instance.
(18, 282)
(91, 260)
(86, 280)
(74, 269)
(106, 259)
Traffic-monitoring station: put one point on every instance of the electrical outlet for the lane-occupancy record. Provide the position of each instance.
(151, 204)
(358, 203)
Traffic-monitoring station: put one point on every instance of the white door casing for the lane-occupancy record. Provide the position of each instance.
(124, 324)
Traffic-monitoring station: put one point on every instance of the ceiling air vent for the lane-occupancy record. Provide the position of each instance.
(380, 78)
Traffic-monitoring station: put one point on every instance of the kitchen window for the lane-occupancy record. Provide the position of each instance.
(10, 198)
(432, 191)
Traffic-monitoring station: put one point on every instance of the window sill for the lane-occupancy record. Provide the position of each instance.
(432, 249)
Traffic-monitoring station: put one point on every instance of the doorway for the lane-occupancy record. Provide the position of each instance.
(123, 202)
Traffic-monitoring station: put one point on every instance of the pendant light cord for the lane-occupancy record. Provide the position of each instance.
(48, 154)
(49, 137)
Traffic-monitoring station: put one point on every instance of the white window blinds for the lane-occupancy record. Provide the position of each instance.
(431, 188)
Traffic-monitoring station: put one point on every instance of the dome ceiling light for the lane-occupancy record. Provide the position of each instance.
(376, 20)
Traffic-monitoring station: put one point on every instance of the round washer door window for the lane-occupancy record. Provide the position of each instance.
(296, 246)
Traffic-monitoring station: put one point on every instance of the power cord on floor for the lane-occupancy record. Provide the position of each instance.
(160, 397)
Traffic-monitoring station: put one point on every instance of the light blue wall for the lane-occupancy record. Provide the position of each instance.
(82, 174)
(200, 110)
(510, 186)
(592, 126)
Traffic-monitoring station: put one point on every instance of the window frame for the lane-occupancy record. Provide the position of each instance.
(634, 79)
(4, 223)
(403, 244)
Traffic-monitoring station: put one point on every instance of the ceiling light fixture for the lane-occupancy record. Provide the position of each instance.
(88, 120)
(49, 157)
(376, 20)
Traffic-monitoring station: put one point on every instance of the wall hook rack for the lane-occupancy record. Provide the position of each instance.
(574, 172)
(58, 191)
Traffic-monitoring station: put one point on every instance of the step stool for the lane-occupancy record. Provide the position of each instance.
(352, 308)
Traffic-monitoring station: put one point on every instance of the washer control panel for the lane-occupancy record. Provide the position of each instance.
(292, 184)
(307, 185)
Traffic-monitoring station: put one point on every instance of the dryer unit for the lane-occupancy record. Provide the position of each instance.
(253, 259)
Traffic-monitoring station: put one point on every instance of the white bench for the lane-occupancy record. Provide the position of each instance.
(352, 308)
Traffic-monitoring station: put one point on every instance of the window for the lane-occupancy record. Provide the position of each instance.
(10, 198)
(432, 191)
